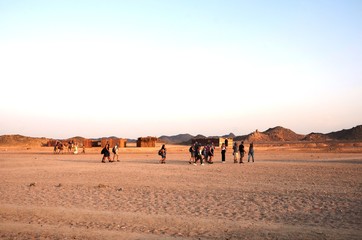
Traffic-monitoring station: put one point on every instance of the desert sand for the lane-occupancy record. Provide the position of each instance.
(286, 194)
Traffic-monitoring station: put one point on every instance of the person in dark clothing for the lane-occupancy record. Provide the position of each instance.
(242, 151)
(198, 155)
(223, 152)
(211, 153)
(251, 151)
(162, 153)
(192, 153)
(106, 153)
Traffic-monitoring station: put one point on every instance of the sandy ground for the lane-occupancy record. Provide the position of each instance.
(285, 194)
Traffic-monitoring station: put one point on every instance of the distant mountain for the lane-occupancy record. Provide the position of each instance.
(180, 138)
(315, 137)
(230, 135)
(189, 141)
(77, 139)
(129, 140)
(282, 134)
(354, 133)
(272, 134)
(184, 139)
(241, 138)
(199, 136)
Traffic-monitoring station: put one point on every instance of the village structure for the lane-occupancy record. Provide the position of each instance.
(146, 141)
(121, 142)
(89, 143)
(141, 141)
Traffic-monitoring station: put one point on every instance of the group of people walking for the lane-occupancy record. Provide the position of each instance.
(241, 149)
(201, 153)
(107, 154)
(206, 153)
(198, 152)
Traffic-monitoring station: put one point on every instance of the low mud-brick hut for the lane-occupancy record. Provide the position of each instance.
(96, 142)
(146, 142)
(215, 140)
(121, 142)
(87, 143)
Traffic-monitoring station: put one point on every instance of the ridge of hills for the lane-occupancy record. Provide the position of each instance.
(276, 134)
(354, 133)
(180, 138)
(13, 140)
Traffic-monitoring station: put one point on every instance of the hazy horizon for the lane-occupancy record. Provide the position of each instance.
(152, 68)
(162, 135)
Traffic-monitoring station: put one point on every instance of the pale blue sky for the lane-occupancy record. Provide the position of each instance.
(139, 68)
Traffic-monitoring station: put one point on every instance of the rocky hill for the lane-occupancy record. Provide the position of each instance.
(15, 140)
(276, 134)
(282, 134)
(315, 137)
(180, 138)
(354, 133)
(230, 135)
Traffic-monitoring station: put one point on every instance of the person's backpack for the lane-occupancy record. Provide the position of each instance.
(103, 151)
(190, 149)
(160, 152)
(114, 150)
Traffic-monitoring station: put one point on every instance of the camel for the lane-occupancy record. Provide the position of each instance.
(70, 146)
(58, 148)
